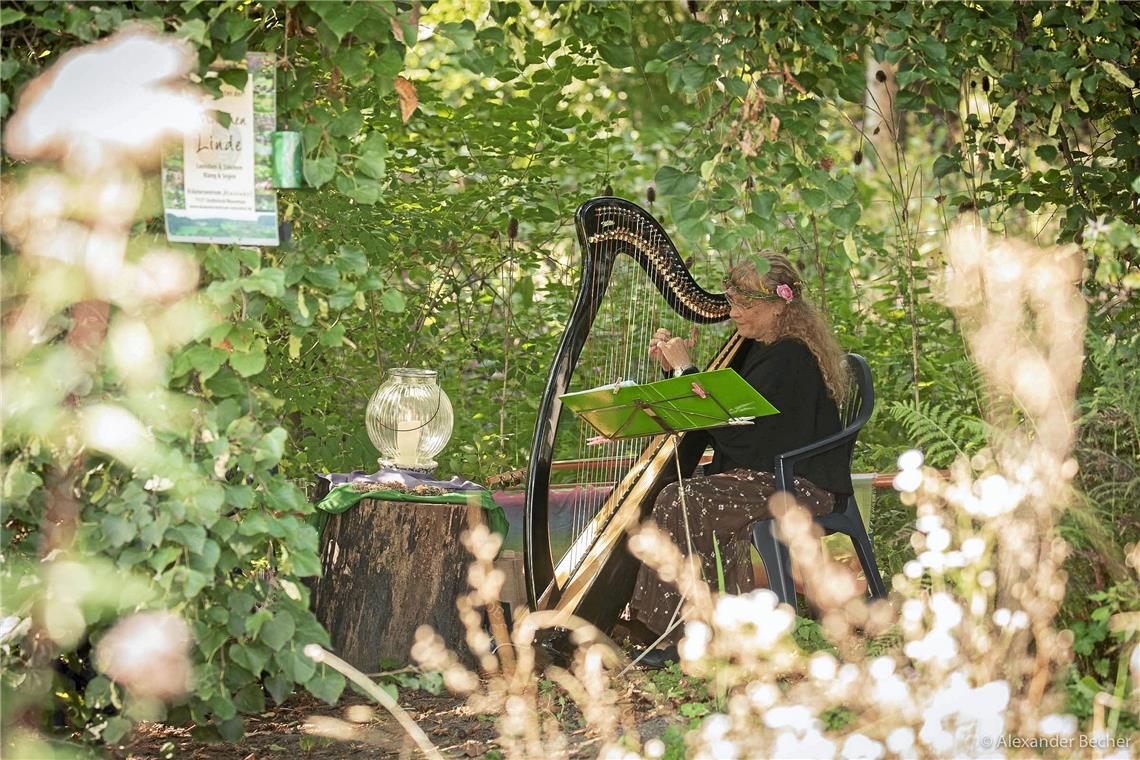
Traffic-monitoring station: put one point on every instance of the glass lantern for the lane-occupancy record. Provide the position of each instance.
(409, 419)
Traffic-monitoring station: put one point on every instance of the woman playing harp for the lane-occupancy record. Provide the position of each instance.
(791, 357)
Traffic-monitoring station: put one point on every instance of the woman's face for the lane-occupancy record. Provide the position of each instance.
(755, 318)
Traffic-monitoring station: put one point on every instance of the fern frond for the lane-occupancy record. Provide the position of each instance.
(941, 433)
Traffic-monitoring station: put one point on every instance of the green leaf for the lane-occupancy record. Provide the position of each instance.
(373, 156)
(271, 447)
(231, 729)
(117, 530)
(277, 632)
(326, 685)
(193, 30)
(673, 182)
(845, 217)
(318, 171)
(11, 16)
(341, 18)
(278, 687)
(850, 250)
(814, 197)
(618, 55)
(943, 165)
(116, 728)
(393, 300)
(251, 362)
(251, 657)
(251, 699)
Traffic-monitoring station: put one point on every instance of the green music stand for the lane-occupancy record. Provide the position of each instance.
(718, 398)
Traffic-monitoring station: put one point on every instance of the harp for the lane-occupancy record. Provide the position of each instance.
(581, 499)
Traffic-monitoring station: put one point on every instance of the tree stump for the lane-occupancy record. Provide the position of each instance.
(388, 568)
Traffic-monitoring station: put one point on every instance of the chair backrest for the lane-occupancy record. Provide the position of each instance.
(860, 401)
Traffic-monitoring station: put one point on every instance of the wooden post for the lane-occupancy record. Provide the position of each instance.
(388, 568)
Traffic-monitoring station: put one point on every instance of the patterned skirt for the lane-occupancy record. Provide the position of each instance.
(726, 506)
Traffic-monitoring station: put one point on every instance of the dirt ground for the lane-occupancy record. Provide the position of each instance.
(308, 729)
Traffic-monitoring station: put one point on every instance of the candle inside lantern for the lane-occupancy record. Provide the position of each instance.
(408, 437)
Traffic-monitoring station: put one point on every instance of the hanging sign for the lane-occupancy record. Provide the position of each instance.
(219, 187)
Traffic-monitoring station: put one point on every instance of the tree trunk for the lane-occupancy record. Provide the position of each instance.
(388, 568)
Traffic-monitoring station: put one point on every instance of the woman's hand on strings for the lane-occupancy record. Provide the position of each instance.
(671, 352)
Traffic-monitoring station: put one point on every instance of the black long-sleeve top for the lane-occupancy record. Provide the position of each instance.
(787, 374)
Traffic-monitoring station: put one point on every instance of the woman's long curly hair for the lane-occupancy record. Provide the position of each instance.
(799, 320)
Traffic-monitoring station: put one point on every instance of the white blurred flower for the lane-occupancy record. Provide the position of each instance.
(986, 579)
(148, 653)
(907, 481)
(115, 431)
(796, 717)
(654, 748)
(900, 740)
(910, 460)
(938, 539)
(124, 94)
(912, 569)
(695, 643)
(762, 695)
(1058, 725)
(812, 745)
(715, 727)
(881, 667)
(928, 523)
(1002, 616)
(1095, 228)
(823, 666)
(860, 746)
(937, 646)
(973, 547)
(912, 609)
(947, 612)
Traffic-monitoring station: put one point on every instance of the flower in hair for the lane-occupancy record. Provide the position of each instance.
(783, 290)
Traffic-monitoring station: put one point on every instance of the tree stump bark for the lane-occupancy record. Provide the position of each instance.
(388, 568)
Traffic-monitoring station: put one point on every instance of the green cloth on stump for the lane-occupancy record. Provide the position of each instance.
(344, 497)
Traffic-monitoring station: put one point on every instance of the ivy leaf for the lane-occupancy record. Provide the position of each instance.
(232, 729)
(277, 632)
(673, 182)
(327, 685)
(319, 171)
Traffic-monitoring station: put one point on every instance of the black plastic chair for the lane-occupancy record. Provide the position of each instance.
(846, 518)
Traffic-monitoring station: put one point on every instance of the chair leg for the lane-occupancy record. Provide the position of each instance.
(857, 532)
(777, 562)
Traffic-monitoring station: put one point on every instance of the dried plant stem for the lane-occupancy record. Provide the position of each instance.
(321, 655)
